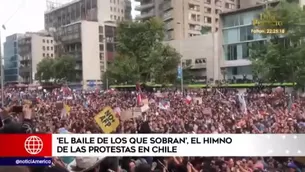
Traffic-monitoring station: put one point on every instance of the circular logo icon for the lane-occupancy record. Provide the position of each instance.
(33, 145)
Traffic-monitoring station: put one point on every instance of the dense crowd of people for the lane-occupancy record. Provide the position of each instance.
(256, 111)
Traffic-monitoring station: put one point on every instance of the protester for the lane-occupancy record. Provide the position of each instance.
(198, 111)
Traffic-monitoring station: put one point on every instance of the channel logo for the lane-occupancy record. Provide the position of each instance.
(33, 145)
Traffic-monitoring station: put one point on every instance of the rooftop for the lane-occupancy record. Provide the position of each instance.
(256, 7)
(54, 6)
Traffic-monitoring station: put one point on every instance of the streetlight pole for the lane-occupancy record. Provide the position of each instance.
(2, 70)
(180, 51)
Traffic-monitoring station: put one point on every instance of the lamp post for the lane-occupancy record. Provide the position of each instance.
(1, 68)
(181, 67)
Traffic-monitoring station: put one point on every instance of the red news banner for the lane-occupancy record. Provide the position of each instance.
(25, 145)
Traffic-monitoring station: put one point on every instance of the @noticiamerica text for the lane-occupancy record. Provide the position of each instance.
(32, 161)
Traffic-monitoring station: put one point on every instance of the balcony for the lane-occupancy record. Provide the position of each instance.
(23, 70)
(145, 15)
(199, 66)
(169, 26)
(199, 63)
(167, 6)
(238, 62)
(144, 6)
(167, 16)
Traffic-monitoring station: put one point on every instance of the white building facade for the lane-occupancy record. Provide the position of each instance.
(79, 28)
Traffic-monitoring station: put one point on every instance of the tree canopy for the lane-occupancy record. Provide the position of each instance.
(281, 58)
(57, 69)
(141, 54)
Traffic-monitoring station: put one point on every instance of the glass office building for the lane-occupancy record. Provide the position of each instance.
(236, 38)
(11, 58)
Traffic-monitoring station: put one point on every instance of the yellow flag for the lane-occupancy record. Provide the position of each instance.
(67, 108)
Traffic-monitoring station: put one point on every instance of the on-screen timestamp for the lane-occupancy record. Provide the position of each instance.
(268, 31)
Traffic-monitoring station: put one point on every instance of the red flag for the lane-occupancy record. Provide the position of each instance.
(139, 100)
(188, 99)
(138, 87)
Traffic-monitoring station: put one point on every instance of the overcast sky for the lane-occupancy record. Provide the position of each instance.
(20, 16)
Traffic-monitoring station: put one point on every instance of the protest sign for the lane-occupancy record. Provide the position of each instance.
(136, 112)
(197, 100)
(145, 101)
(207, 111)
(126, 115)
(107, 120)
(67, 108)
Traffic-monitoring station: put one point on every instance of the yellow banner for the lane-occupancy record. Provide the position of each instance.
(67, 108)
(107, 120)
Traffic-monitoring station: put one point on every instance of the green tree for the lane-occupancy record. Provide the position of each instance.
(282, 57)
(141, 54)
(64, 68)
(45, 70)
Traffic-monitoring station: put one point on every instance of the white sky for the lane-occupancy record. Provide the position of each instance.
(20, 16)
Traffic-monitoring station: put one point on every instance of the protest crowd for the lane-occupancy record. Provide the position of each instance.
(200, 111)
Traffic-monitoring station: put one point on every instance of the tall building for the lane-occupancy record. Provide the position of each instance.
(32, 48)
(200, 54)
(234, 40)
(185, 18)
(11, 58)
(79, 29)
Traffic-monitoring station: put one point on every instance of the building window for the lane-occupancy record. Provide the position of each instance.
(51, 55)
(245, 33)
(51, 41)
(43, 55)
(207, 10)
(207, 19)
(230, 52)
(100, 29)
(230, 21)
(218, 11)
(200, 61)
(48, 55)
(245, 50)
(43, 48)
(48, 48)
(194, 7)
(194, 17)
(101, 38)
(47, 41)
(101, 47)
(102, 56)
(51, 48)
(207, 1)
(234, 71)
(110, 8)
(43, 41)
(218, 3)
(229, 6)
